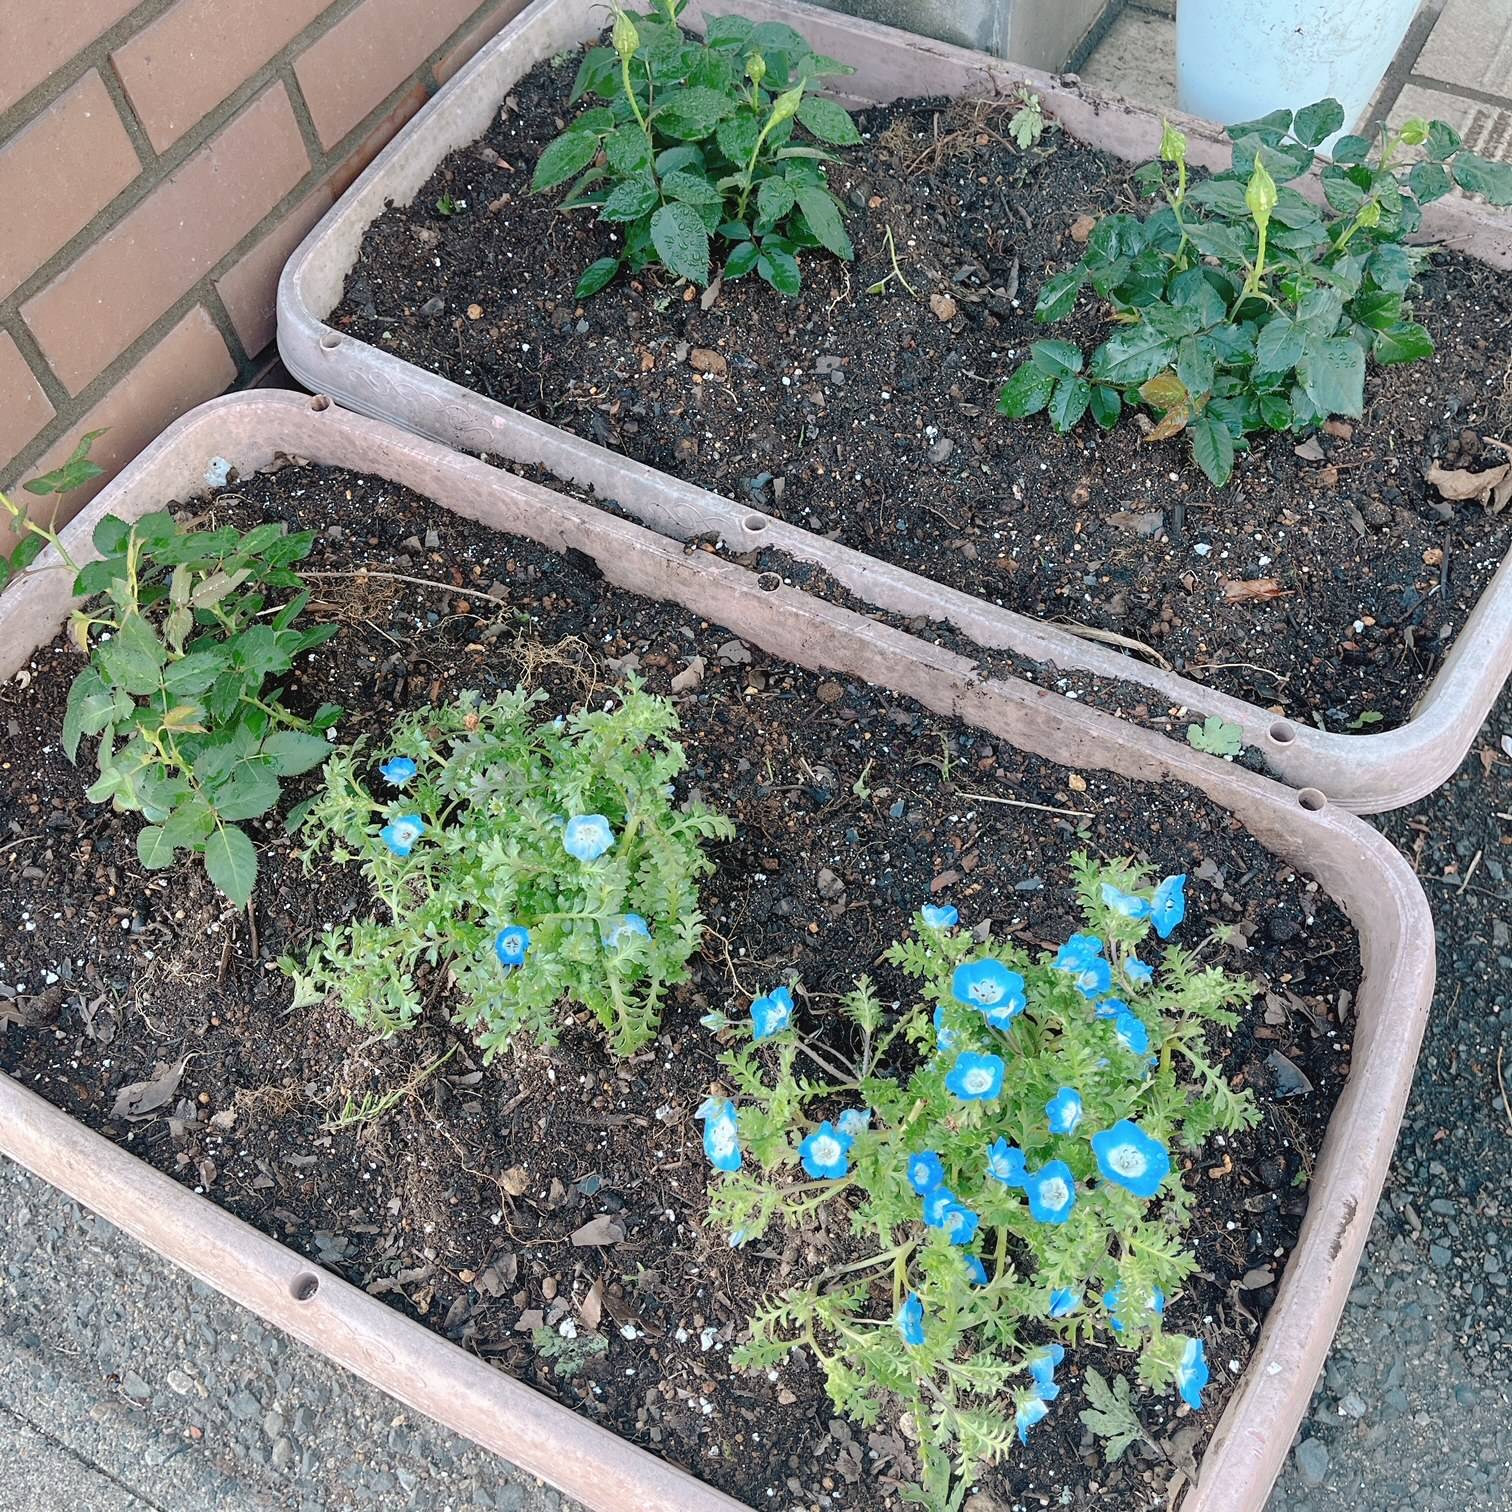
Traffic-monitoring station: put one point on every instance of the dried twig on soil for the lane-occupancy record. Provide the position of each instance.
(1113, 638)
(418, 582)
(1043, 808)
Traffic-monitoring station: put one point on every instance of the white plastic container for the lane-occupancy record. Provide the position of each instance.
(1239, 59)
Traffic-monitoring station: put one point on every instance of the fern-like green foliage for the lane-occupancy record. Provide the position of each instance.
(493, 789)
(992, 1293)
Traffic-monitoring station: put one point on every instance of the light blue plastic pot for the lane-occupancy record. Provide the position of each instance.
(1238, 59)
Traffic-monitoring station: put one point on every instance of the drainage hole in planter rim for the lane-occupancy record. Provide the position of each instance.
(304, 1286)
(1283, 732)
(320, 402)
(755, 523)
(769, 582)
(330, 340)
(1312, 799)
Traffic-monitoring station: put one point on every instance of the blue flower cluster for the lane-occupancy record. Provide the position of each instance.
(1034, 1404)
(991, 987)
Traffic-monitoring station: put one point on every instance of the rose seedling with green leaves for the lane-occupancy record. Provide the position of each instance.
(1242, 306)
(1004, 1156)
(532, 864)
(695, 146)
(185, 638)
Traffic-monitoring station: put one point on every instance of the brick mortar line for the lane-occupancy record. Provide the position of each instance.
(1399, 70)
(164, 165)
(76, 65)
(1461, 91)
(203, 292)
(48, 1437)
(115, 87)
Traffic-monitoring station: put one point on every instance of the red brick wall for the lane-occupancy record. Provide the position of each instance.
(159, 160)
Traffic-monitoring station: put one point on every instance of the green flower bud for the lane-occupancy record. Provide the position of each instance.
(1173, 144)
(1260, 196)
(756, 69)
(785, 105)
(624, 38)
(1414, 132)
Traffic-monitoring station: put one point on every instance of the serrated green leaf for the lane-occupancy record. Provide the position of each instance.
(741, 260)
(1350, 149)
(570, 153)
(232, 864)
(294, 752)
(596, 276)
(822, 212)
(691, 188)
(1027, 392)
(1278, 346)
(774, 198)
(780, 269)
(1217, 736)
(1106, 406)
(690, 115)
(1428, 182)
(1068, 403)
(630, 200)
(1057, 296)
(828, 121)
(1212, 448)
(628, 150)
(1406, 341)
(1478, 175)
(154, 848)
(1315, 122)
(1131, 355)
(1331, 372)
(1056, 357)
(681, 241)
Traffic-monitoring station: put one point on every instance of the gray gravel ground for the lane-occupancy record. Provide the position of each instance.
(1415, 1408)
(126, 1387)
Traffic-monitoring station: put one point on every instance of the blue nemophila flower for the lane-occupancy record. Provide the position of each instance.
(1192, 1373)
(400, 834)
(772, 1014)
(975, 1270)
(1005, 1162)
(1132, 1159)
(960, 1223)
(721, 1135)
(738, 1238)
(925, 1171)
(1156, 1302)
(1130, 905)
(623, 928)
(940, 916)
(976, 1078)
(511, 944)
(1132, 1033)
(910, 1320)
(1042, 1365)
(854, 1121)
(398, 770)
(1110, 1008)
(989, 985)
(1064, 1302)
(1137, 972)
(1051, 1191)
(938, 1201)
(1078, 953)
(587, 836)
(944, 1038)
(825, 1152)
(1169, 907)
(1064, 1111)
(1029, 1412)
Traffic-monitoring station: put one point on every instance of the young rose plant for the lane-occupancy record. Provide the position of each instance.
(534, 864)
(1240, 306)
(696, 144)
(1012, 1195)
(187, 633)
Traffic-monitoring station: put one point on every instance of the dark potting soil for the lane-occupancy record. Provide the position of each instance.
(458, 1204)
(871, 419)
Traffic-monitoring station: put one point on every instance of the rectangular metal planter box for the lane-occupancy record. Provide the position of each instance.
(1351, 862)
(1364, 773)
